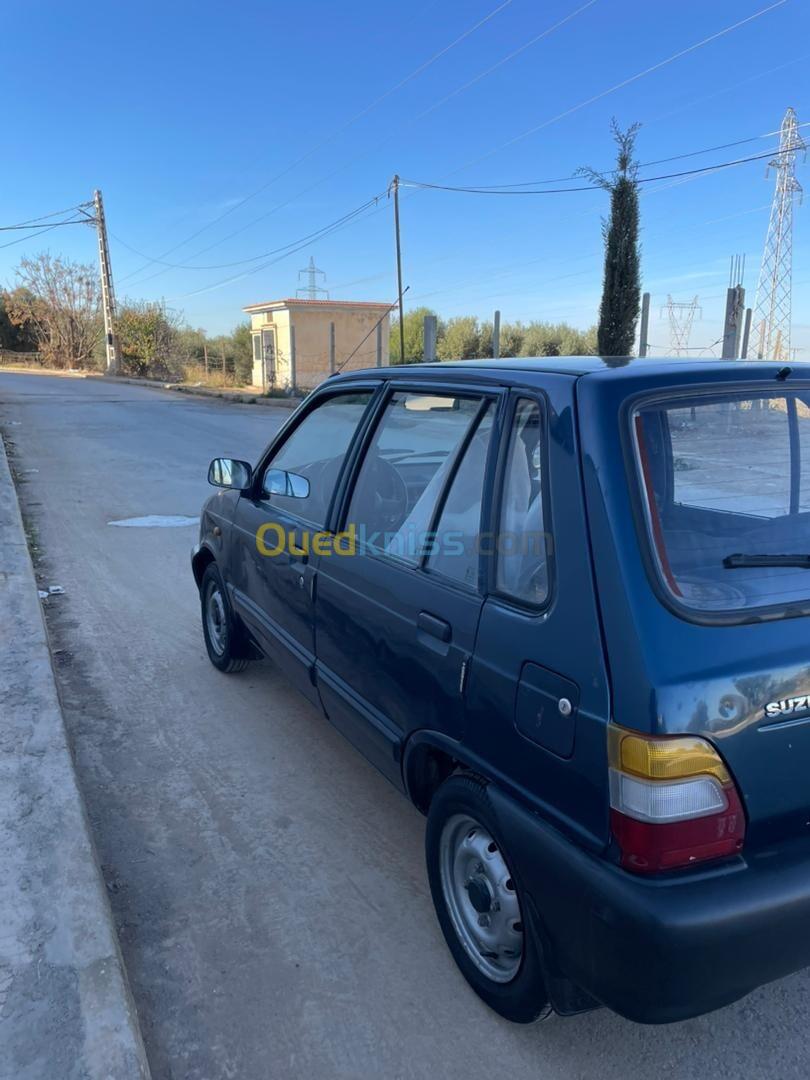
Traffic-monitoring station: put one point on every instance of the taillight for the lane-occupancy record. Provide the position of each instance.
(673, 802)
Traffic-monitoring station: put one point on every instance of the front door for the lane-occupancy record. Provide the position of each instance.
(276, 528)
(397, 616)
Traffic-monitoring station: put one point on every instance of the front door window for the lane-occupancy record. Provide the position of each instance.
(302, 475)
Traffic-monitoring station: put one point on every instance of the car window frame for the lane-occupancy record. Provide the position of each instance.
(290, 426)
(640, 511)
(498, 395)
(502, 596)
(444, 494)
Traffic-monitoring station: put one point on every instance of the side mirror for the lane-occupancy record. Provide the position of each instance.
(227, 473)
(281, 482)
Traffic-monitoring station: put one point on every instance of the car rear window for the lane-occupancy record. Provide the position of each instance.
(725, 484)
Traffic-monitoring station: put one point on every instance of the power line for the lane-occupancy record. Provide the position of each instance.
(642, 165)
(13, 228)
(625, 82)
(30, 236)
(265, 254)
(364, 339)
(34, 222)
(590, 187)
(334, 134)
(414, 119)
(340, 223)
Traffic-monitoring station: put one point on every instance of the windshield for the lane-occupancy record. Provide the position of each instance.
(725, 480)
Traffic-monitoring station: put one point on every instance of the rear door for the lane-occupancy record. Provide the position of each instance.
(397, 614)
(277, 526)
(537, 700)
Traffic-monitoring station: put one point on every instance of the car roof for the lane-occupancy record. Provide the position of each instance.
(578, 366)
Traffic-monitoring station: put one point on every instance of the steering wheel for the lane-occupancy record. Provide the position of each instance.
(389, 495)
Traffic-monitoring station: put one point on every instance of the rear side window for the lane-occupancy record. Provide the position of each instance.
(302, 475)
(455, 548)
(406, 467)
(725, 481)
(522, 542)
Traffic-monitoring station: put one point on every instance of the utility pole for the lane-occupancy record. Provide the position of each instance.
(746, 335)
(496, 336)
(331, 348)
(293, 372)
(107, 292)
(735, 306)
(395, 187)
(644, 331)
(205, 355)
(223, 359)
(430, 334)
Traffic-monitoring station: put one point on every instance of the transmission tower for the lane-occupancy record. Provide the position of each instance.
(311, 290)
(771, 329)
(681, 317)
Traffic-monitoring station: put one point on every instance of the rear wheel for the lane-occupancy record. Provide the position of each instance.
(224, 638)
(479, 902)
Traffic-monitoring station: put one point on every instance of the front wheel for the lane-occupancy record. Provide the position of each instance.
(223, 637)
(479, 904)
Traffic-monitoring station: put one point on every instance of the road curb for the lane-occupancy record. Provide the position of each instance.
(65, 1006)
(243, 397)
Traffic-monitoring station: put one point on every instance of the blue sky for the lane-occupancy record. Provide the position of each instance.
(179, 112)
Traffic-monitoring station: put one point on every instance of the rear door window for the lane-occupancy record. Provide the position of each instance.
(455, 547)
(725, 481)
(522, 543)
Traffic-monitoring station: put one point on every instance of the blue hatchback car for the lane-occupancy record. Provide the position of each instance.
(561, 604)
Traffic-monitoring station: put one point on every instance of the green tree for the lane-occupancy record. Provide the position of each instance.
(512, 335)
(621, 288)
(460, 340)
(243, 353)
(414, 333)
(147, 336)
(13, 336)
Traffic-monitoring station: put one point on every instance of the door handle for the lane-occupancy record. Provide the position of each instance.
(299, 548)
(434, 626)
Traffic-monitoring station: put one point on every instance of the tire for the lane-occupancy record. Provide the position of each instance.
(471, 880)
(224, 638)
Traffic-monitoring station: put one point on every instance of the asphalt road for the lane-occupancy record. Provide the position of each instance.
(267, 884)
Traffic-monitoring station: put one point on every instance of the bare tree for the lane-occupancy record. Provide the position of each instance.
(59, 301)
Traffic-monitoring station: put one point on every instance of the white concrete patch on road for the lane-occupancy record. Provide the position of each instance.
(156, 521)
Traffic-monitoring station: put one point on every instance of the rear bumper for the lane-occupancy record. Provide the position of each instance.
(658, 950)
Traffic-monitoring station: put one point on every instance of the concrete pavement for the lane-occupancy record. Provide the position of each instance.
(267, 884)
(65, 1008)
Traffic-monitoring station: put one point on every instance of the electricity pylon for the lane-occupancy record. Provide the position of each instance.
(311, 290)
(681, 317)
(771, 321)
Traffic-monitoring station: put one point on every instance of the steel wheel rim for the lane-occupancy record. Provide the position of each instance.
(216, 620)
(481, 898)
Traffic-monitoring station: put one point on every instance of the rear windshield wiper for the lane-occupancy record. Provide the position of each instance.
(739, 562)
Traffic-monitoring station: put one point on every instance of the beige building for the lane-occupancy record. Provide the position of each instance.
(299, 343)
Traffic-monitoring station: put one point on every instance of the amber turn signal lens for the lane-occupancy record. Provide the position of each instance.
(674, 758)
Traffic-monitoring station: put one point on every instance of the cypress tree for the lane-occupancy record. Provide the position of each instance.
(621, 287)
